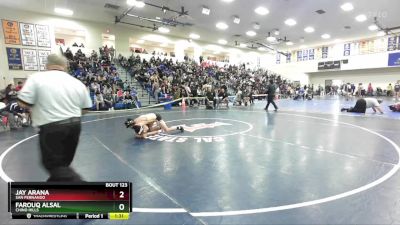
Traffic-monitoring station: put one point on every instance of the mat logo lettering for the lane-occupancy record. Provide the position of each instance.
(200, 126)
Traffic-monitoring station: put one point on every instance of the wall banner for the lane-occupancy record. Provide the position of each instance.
(347, 49)
(325, 52)
(28, 35)
(289, 58)
(392, 42)
(42, 55)
(299, 56)
(30, 59)
(278, 58)
(14, 58)
(11, 32)
(305, 55)
(43, 36)
(311, 54)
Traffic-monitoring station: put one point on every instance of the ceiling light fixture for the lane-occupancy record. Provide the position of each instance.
(261, 49)
(64, 12)
(271, 39)
(194, 36)
(326, 36)
(347, 7)
(222, 26)
(138, 4)
(261, 11)
(373, 27)
(256, 26)
(276, 32)
(206, 10)
(309, 29)
(228, 0)
(236, 19)
(361, 18)
(251, 33)
(290, 22)
(381, 34)
(222, 42)
(140, 41)
(242, 45)
(163, 30)
(289, 43)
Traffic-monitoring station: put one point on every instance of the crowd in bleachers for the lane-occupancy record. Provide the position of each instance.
(164, 77)
(99, 74)
(361, 90)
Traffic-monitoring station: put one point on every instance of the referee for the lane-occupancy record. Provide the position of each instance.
(56, 100)
(271, 89)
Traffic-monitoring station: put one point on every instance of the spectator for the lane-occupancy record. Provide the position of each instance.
(99, 100)
(397, 90)
(370, 90)
(19, 86)
(389, 90)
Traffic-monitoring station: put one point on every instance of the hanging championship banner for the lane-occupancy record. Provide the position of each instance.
(398, 42)
(14, 58)
(325, 52)
(30, 59)
(305, 55)
(278, 58)
(42, 55)
(11, 32)
(43, 36)
(28, 34)
(347, 49)
(299, 56)
(311, 54)
(391, 43)
(289, 58)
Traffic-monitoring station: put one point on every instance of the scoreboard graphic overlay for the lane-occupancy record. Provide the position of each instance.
(86, 200)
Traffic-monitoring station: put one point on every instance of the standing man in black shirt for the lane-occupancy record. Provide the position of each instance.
(271, 89)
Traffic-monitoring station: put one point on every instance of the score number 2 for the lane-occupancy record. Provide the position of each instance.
(121, 195)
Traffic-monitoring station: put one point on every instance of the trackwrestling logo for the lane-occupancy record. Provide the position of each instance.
(191, 129)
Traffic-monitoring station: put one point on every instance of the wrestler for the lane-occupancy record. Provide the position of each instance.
(363, 104)
(150, 124)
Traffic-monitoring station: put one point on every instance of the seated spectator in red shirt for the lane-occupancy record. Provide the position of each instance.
(19, 86)
(120, 95)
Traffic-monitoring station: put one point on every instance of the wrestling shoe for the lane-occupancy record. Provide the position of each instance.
(128, 122)
(180, 128)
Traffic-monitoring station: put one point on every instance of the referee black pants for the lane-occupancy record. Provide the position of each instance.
(271, 100)
(58, 144)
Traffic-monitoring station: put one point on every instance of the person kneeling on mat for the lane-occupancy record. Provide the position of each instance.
(363, 104)
(395, 107)
(149, 124)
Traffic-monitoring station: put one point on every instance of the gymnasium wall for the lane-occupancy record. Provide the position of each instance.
(360, 68)
(93, 40)
(380, 77)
